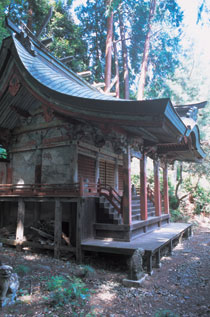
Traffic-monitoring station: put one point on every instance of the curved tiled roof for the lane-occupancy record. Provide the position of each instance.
(46, 80)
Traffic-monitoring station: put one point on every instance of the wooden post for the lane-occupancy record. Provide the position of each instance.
(127, 211)
(157, 188)
(116, 175)
(165, 188)
(37, 207)
(2, 208)
(143, 187)
(20, 220)
(80, 214)
(57, 228)
(81, 187)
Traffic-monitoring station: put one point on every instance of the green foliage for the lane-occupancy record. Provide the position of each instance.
(135, 179)
(67, 290)
(3, 31)
(165, 313)
(164, 50)
(93, 23)
(3, 153)
(200, 196)
(173, 202)
(67, 38)
(22, 269)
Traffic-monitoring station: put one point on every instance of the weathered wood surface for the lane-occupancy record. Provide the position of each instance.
(57, 228)
(150, 242)
(36, 245)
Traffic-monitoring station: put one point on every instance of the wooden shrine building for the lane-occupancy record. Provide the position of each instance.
(69, 150)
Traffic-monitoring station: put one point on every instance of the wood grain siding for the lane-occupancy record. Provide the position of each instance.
(107, 172)
(86, 168)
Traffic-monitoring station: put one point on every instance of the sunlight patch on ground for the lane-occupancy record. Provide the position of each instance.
(31, 257)
(106, 296)
(26, 299)
(107, 292)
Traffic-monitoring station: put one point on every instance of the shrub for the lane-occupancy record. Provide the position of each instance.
(65, 290)
(200, 196)
(165, 313)
(22, 269)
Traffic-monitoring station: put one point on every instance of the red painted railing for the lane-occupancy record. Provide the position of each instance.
(111, 195)
(75, 189)
(150, 193)
(39, 189)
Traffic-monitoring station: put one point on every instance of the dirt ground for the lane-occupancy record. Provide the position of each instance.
(181, 287)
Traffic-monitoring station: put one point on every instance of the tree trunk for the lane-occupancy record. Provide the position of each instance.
(108, 68)
(117, 85)
(125, 55)
(144, 65)
(30, 16)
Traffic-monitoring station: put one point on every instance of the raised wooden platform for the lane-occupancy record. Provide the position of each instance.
(152, 243)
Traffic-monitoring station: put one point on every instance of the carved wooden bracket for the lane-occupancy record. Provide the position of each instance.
(14, 85)
(26, 42)
(5, 136)
(48, 113)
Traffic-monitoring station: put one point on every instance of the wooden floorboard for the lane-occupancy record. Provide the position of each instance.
(151, 241)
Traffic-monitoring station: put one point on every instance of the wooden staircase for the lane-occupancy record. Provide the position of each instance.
(136, 205)
(106, 212)
(109, 222)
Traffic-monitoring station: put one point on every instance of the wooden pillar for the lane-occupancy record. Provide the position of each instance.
(143, 187)
(37, 207)
(38, 167)
(81, 186)
(9, 175)
(127, 211)
(80, 214)
(165, 188)
(97, 170)
(157, 188)
(57, 228)
(2, 209)
(116, 175)
(20, 220)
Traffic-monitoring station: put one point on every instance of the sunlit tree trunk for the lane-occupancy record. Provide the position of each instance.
(108, 67)
(117, 85)
(30, 15)
(142, 79)
(125, 55)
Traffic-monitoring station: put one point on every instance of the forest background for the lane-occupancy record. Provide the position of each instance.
(134, 50)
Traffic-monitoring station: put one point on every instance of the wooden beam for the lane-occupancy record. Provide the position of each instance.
(127, 211)
(44, 23)
(80, 214)
(157, 188)
(20, 220)
(66, 59)
(57, 228)
(47, 41)
(98, 85)
(85, 73)
(143, 187)
(165, 188)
